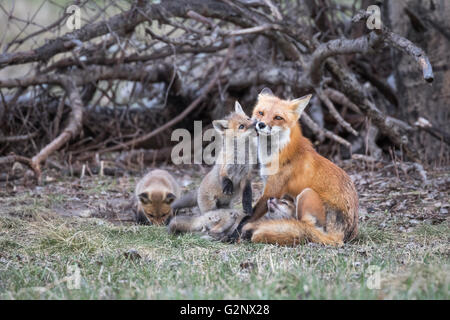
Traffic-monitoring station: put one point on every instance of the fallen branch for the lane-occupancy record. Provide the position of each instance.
(323, 132)
(183, 114)
(72, 129)
(342, 99)
(23, 137)
(27, 161)
(364, 45)
(335, 113)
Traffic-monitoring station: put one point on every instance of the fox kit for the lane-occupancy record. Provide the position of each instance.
(229, 178)
(154, 194)
(217, 224)
(283, 208)
(281, 222)
(325, 192)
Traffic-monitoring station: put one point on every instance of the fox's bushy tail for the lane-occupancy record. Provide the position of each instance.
(290, 232)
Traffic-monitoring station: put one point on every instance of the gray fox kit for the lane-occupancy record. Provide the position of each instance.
(222, 224)
(154, 194)
(217, 224)
(228, 179)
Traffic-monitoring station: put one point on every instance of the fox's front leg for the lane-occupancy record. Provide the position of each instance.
(260, 208)
(227, 186)
(247, 198)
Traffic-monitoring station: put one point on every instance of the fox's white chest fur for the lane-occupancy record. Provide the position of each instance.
(269, 148)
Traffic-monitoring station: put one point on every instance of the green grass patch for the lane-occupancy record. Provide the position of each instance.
(40, 258)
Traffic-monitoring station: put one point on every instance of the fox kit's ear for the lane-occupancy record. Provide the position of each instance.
(266, 92)
(143, 197)
(288, 197)
(298, 105)
(238, 108)
(170, 197)
(220, 126)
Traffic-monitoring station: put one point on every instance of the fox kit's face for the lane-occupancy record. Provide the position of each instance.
(156, 206)
(283, 208)
(237, 125)
(274, 115)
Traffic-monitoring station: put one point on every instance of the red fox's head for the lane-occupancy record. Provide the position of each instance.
(274, 115)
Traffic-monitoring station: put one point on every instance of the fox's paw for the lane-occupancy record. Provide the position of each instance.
(227, 186)
(140, 218)
(247, 231)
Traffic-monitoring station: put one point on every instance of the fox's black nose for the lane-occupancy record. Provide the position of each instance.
(271, 198)
(261, 125)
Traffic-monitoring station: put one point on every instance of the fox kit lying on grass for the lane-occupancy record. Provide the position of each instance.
(229, 178)
(154, 194)
(281, 221)
(325, 192)
(221, 224)
(217, 224)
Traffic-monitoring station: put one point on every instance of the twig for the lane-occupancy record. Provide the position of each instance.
(18, 138)
(342, 99)
(335, 113)
(323, 132)
(72, 129)
(27, 161)
(183, 114)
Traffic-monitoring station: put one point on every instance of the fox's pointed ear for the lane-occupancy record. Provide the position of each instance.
(220, 126)
(298, 105)
(143, 197)
(170, 197)
(238, 108)
(266, 92)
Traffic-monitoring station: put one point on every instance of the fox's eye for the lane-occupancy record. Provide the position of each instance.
(278, 118)
(261, 113)
(241, 127)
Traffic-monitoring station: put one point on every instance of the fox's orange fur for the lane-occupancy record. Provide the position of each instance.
(289, 232)
(330, 196)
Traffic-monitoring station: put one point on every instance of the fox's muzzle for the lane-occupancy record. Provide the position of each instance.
(262, 127)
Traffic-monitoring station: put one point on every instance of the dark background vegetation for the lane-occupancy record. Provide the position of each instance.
(116, 88)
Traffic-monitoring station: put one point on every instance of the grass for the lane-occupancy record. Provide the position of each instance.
(40, 250)
(37, 256)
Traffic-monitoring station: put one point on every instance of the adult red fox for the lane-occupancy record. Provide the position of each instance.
(325, 193)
